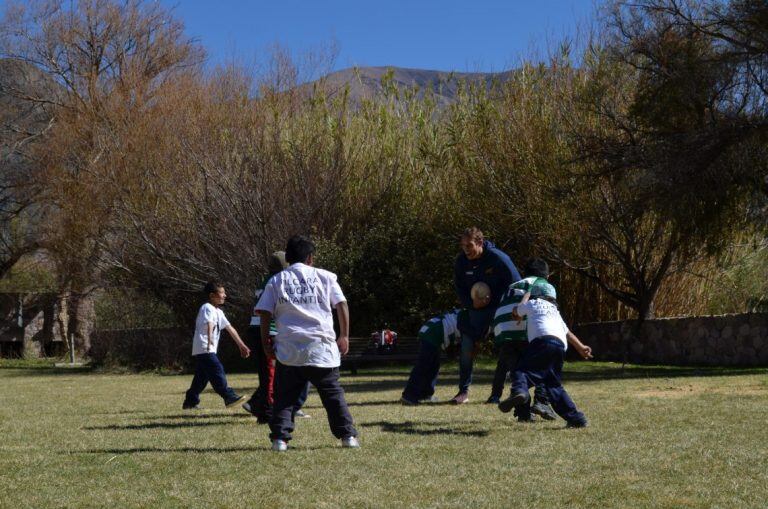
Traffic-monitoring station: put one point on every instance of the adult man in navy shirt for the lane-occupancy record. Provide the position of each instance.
(480, 260)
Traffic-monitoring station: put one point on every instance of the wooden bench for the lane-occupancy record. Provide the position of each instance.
(362, 351)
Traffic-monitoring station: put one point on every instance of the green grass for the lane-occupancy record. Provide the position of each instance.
(659, 437)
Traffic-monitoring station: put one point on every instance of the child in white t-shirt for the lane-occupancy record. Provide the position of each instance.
(205, 343)
(542, 362)
(301, 299)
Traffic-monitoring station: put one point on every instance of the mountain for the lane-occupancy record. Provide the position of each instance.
(366, 82)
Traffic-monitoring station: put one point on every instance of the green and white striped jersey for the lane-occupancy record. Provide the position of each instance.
(441, 331)
(505, 328)
(255, 316)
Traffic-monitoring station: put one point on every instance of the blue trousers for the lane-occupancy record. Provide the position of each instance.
(542, 364)
(466, 362)
(423, 378)
(208, 368)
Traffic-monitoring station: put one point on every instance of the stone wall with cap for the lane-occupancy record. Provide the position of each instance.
(726, 340)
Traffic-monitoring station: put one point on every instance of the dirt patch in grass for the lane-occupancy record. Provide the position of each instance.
(688, 390)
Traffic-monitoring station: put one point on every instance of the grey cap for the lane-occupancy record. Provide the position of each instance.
(276, 262)
(543, 290)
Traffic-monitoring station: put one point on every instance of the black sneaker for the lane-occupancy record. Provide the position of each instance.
(527, 419)
(544, 411)
(493, 400)
(186, 406)
(518, 398)
(578, 424)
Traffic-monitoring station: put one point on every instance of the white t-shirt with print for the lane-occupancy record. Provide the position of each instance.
(543, 320)
(301, 299)
(208, 313)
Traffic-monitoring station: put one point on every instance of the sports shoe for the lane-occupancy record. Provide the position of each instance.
(190, 407)
(578, 424)
(460, 398)
(431, 399)
(493, 400)
(530, 418)
(301, 414)
(518, 398)
(248, 408)
(544, 411)
(408, 402)
(238, 400)
(279, 445)
(350, 442)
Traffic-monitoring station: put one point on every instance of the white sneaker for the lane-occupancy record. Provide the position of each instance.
(350, 442)
(279, 445)
(301, 415)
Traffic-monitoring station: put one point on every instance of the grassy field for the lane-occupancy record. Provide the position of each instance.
(659, 437)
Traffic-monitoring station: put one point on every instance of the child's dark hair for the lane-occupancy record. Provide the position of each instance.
(298, 249)
(536, 267)
(211, 287)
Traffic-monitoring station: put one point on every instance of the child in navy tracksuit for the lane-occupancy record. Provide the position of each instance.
(542, 362)
(205, 343)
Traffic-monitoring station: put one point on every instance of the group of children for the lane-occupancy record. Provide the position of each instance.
(531, 339)
(293, 339)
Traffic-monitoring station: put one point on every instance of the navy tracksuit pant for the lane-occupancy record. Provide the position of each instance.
(290, 381)
(208, 368)
(423, 378)
(542, 364)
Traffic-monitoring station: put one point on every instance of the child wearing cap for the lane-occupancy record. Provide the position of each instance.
(262, 399)
(542, 362)
(511, 338)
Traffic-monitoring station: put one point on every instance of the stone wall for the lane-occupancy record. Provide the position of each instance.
(727, 340)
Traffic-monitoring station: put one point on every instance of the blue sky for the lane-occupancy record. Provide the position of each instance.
(468, 35)
(458, 35)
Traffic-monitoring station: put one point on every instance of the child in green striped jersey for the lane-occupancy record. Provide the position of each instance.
(436, 334)
(511, 339)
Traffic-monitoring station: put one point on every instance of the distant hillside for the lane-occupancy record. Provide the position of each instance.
(365, 82)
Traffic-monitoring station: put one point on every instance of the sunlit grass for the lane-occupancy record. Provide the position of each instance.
(659, 437)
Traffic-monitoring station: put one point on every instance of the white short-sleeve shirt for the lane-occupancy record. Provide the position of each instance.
(208, 313)
(543, 320)
(301, 299)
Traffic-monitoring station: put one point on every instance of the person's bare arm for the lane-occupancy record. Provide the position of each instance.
(584, 350)
(210, 337)
(525, 299)
(266, 341)
(244, 350)
(342, 310)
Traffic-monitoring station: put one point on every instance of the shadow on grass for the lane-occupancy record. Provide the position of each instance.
(160, 425)
(424, 428)
(204, 416)
(216, 450)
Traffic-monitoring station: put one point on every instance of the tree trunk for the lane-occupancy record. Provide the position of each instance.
(81, 320)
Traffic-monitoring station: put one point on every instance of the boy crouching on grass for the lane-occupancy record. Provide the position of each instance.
(301, 299)
(205, 344)
(438, 332)
(542, 361)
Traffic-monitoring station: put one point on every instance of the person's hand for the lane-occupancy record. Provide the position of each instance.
(481, 302)
(515, 316)
(585, 351)
(245, 352)
(343, 343)
(269, 350)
